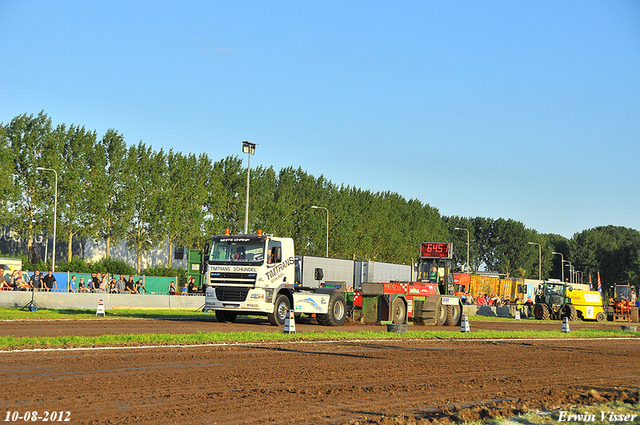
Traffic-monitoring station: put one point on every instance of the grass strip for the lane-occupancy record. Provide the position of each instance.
(78, 314)
(52, 314)
(123, 340)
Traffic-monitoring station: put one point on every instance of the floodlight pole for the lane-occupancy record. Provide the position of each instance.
(55, 215)
(250, 149)
(466, 230)
(561, 264)
(571, 280)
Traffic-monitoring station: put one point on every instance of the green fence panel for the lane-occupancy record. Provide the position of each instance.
(158, 285)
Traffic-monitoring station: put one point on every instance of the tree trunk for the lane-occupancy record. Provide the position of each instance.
(169, 263)
(108, 239)
(70, 246)
(139, 256)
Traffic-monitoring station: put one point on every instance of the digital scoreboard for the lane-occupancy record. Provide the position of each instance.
(436, 250)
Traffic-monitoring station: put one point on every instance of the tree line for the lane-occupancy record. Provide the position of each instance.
(109, 190)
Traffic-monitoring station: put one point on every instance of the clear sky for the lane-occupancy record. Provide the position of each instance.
(528, 110)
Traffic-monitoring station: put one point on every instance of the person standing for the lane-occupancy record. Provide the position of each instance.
(72, 284)
(129, 289)
(131, 286)
(172, 288)
(49, 282)
(140, 287)
(121, 285)
(35, 281)
(519, 306)
(104, 283)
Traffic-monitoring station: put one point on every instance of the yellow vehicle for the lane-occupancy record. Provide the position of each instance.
(588, 304)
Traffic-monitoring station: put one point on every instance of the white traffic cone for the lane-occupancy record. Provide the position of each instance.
(464, 324)
(290, 323)
(565, 325)
(100, 310)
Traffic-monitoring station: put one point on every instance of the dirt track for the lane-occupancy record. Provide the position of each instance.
(334, 382)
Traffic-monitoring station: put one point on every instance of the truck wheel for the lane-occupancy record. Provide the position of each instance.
(280, 310)
(454, 315)
(601, 317)
(442, 312)
(225, 316)
(398, 311)
(337, 311)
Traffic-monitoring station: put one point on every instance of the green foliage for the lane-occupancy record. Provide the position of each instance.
(116, 193)
(113, 266)
(76, 265)
(167, 272)
(614, 251)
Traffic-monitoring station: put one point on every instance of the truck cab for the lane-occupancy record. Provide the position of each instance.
(255, 275)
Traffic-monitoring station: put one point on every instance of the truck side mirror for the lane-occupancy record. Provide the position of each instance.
(205, 253)
(318, 274)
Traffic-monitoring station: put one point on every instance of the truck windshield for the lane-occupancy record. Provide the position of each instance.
(237, 250)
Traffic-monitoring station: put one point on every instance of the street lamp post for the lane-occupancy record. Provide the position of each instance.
(323, 208)
(561, 264)
(250, 149)
(539, 259)
(466, 266)
(55, 215)
(570, 272)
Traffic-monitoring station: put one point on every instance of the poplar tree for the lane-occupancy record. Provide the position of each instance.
(29, 139)
(77, 188)
(113, 171)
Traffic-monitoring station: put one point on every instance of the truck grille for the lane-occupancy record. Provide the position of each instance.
(232, 278)
(225, 293)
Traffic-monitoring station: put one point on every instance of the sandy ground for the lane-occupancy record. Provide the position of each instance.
(325, 383)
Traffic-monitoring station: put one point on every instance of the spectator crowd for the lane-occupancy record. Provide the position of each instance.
(97, 283)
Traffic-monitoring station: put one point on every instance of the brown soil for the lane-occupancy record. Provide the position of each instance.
(333, 382)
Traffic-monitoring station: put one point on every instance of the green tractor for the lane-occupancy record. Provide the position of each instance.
(553, 302)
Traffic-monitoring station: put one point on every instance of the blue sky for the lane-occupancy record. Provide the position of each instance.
(528, 110)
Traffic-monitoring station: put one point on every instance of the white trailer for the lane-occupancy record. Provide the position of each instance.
(375, 272)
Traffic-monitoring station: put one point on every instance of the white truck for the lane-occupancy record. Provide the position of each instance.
(261, 275)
